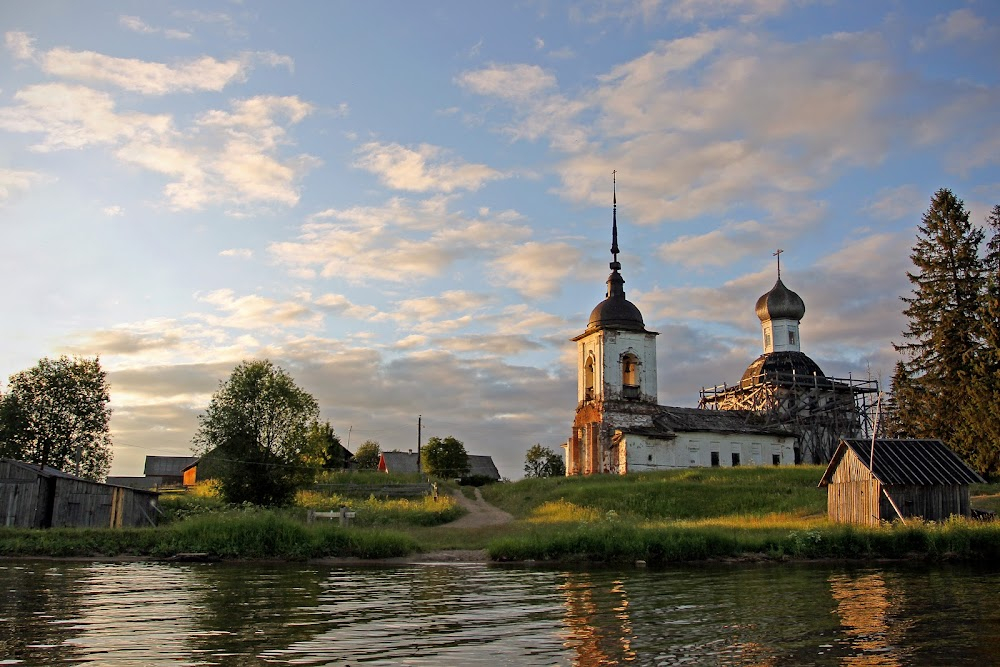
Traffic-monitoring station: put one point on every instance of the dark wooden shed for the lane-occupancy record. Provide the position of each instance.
(34, 498)
(896, 479)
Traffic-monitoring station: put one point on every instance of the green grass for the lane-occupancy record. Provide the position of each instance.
(675, 495)
(684, 515)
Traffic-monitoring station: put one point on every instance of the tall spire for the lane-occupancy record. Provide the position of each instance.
(615, 264)
(777, 253)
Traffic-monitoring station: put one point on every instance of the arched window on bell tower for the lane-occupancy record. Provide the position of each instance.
(630, 375)
(588, 379)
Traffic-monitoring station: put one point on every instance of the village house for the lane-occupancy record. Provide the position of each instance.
(400, 462)
(620, 427)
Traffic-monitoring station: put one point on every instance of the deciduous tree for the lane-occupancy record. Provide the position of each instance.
(367, 456)
(257, 426)
(543, 462)
(323, 439)
(445, 458)
(58, 411)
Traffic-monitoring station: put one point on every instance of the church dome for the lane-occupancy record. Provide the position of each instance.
(616, 312)
(780, 303)
(781, 366)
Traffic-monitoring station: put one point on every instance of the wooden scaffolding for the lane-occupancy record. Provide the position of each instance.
(819, 410)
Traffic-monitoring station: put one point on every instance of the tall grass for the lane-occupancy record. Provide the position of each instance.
(263, 535)
(398, 512)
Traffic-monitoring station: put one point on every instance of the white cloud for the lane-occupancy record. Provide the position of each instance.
(422, 169)
(400, 242)
(113, 211)
(20, 44)
(239, 253)
(136, 24)
(13, 182)
(536, 270)
(256, 312)
(71, 116)
(512, 82)
(339, 304)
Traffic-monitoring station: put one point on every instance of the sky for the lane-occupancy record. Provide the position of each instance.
(407, 205)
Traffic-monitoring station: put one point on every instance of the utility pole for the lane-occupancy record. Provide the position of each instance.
(419, 425)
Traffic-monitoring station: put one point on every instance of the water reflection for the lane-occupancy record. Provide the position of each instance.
(867, 610)
(776, 615)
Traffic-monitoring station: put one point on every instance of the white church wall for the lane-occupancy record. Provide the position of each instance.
(607, 349)
(694, 450)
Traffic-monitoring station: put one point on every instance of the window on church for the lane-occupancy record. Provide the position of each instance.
(715, 459)
(630, 376)
(767, 340)
(736, 459)
(588, 379)
(791, 338)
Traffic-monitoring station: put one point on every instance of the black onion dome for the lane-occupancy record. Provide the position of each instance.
(781, 366)
(780, 303)
(616, 312)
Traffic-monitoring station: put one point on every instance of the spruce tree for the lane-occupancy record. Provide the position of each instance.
(978, 437)
(944, 332)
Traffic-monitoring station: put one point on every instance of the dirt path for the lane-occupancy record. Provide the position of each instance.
(481, 513)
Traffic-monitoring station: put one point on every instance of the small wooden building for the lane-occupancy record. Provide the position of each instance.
(480, 465)
(896, 479)
(50, 498)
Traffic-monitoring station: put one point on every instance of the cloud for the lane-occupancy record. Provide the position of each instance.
(896, 203)
(421, 169)
(399, 242)
(136, 24)
(13, 182)
(338, 304)
(20, 44)
(719, 247)
(721, 118)
(536, 270)
(958, 27)
(745, 10)
(149, 78)
(257, 312)
(239, 253)
(113, 211)
(71, 116)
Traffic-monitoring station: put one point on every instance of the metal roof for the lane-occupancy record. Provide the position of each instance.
(479, 464)
(167, 466)
(674, 419)
(906, 462)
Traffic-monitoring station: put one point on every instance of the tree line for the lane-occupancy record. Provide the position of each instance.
(946, 385)
(260, 437)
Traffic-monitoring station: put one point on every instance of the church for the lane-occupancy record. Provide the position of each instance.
(620, 427)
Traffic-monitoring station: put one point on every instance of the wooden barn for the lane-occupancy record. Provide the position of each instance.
(896, 479)
(50, 498)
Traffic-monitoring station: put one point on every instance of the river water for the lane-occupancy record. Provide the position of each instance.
(55, 613)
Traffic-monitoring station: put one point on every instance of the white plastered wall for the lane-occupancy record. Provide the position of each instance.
(608, 348)
(642, 453)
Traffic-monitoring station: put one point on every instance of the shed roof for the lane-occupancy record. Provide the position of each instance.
(905, 462)
(167, 465)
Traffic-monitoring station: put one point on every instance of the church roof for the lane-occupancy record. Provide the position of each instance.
(777, 366)
(780, 303)
(670, 420)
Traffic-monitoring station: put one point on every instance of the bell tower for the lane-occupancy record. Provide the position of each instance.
(616, 372)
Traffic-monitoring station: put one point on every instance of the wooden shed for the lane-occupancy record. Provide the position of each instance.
(896, 479)
(50, 498)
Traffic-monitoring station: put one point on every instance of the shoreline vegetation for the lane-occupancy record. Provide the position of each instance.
(654, 519)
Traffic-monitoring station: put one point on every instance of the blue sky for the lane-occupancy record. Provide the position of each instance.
(407, 205)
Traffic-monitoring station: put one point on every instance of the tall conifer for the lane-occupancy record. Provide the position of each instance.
(944, 332)
(978, 437)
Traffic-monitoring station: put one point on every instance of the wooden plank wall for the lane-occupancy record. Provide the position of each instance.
(18, 495)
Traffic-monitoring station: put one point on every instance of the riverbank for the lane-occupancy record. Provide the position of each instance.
(682, 516)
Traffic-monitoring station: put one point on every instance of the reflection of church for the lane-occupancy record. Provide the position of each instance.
(620, 427)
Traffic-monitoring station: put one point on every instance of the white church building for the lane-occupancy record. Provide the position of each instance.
(620, 427)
